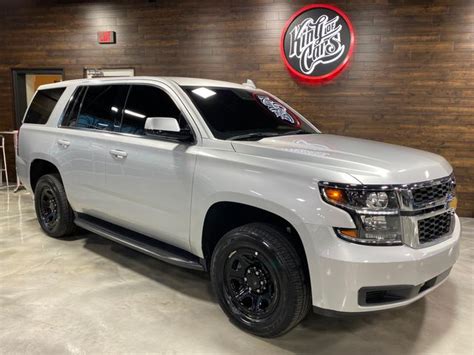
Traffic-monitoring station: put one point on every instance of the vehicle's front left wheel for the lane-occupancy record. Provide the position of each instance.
(53, 211)
(259, 280)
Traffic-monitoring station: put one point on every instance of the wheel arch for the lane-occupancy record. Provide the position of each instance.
(40, 167)
(223, 216)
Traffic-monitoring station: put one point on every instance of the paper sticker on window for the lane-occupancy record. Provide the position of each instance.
(278, 110)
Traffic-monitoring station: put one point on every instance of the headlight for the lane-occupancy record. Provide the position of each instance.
(377, 200)
(375, 212)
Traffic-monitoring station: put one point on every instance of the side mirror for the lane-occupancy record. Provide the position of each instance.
(168, 128)
(163, 124)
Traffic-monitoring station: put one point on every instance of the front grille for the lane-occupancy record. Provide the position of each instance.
(426, 194)
(434, 227)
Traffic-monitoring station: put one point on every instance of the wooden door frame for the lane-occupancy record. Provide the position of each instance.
(19, 91)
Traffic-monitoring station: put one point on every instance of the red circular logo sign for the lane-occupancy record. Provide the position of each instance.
(317, 42)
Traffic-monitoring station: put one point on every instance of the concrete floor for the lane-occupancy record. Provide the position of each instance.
(87, 294)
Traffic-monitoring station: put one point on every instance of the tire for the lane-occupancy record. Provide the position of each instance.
(259, 257)
(53, 211)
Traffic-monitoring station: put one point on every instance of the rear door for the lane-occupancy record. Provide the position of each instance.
(150, 177)
(86, 128)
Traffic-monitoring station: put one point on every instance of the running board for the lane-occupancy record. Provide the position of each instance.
(140, 242)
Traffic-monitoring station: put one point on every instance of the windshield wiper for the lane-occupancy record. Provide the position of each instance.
(253, 135)
(298, 131)
(267, 134)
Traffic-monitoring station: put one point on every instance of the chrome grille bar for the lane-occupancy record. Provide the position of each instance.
(427, 194)
(426, 216)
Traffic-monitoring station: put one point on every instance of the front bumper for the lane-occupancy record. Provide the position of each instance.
(342, 273)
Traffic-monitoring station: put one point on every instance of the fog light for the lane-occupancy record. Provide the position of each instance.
(377, 200)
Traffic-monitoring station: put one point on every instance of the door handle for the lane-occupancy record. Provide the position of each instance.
(118, 154)
(64, 143)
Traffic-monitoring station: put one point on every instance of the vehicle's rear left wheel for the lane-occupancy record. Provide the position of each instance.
(259, 280)
(53, 211)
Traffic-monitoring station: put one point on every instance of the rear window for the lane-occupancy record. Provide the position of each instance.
(42, 105)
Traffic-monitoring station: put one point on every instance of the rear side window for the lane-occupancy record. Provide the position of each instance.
(147, 101)
(72, 110)
(42, 105)
(101, 107)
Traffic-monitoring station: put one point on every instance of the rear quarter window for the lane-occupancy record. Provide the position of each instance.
(42, 105)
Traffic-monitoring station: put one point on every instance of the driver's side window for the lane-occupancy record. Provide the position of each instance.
(148, 101)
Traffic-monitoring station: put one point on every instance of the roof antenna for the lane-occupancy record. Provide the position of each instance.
(249, 83)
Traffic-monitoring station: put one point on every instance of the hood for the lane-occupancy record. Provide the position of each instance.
(370, 162)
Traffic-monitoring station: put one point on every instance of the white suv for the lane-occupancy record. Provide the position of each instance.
(223, 177)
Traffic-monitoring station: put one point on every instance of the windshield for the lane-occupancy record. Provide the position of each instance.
(239, 114)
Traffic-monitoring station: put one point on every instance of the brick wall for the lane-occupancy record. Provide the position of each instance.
(411, 81)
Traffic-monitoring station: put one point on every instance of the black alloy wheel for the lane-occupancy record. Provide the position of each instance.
(48, 209)
(53, 211)
(260, 280)
(250, 283)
